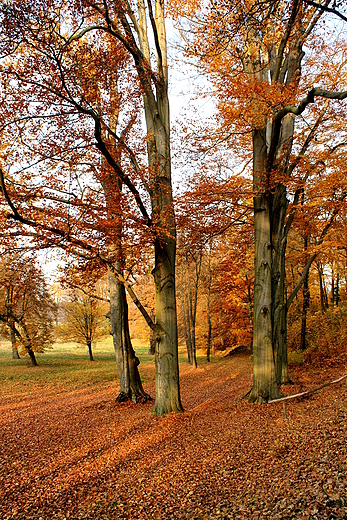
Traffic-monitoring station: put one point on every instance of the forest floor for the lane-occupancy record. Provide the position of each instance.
(67, 451)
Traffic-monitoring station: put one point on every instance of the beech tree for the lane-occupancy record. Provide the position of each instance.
(46, 63)
(190, 270)
(254, 55)
(212, 208)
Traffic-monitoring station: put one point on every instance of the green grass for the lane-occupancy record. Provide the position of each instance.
(67, 367)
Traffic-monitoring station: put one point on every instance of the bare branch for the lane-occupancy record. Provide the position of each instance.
(284, 40)
(309, 99)
(327, 9)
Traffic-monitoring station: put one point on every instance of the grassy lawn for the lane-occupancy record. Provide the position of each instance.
(66, 367)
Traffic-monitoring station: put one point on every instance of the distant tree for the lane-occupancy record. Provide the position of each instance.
(85, 321)
(26, 306)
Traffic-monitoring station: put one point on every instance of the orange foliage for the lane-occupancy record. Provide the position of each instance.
(77, 455)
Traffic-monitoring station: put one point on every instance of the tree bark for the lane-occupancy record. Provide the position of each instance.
(190, 299)
(167, 398)
(279, 311)
(264, 376)
(166, 361)
(305, 306)
(15, 353)
(279, 234)
(127, 362)
(208, 304)
(27, 342)
(152, 337)
(90, 352)
(32, 356)
(322, 289)
(186, 320)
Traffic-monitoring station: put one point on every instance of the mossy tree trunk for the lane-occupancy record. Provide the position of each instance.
(157, 115)
(264, 376)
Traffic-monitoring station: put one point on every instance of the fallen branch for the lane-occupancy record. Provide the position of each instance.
(308, 391)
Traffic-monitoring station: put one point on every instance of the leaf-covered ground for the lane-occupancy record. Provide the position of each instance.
(74, 454)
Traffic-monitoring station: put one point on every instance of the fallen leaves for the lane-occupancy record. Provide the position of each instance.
(77, 455)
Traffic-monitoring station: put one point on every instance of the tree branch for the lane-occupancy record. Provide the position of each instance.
(284, 40)
(114, 164)
(308, 391)
(314, 255)
(327, 9)
(309, 99)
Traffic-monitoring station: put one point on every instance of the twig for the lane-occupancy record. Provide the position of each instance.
(308, 391)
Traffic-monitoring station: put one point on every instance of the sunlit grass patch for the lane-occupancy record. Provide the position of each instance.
(65, 366)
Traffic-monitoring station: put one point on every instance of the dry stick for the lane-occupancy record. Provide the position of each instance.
(308, 391)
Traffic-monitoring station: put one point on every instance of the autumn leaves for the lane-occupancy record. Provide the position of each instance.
(86, 158)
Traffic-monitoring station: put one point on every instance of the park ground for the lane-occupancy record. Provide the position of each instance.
(68, 451)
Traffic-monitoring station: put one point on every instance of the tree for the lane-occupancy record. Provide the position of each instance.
(27, 308)
(63, 82)
(190, 270)
(127, 361)
(211, 210)
(253, 54)
(85, 321)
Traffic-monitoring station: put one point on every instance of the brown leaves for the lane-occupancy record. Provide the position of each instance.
(77, 455)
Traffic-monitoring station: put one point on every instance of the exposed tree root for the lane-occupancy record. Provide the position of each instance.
(136, 399)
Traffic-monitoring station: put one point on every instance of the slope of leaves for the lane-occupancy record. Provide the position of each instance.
(78, 455)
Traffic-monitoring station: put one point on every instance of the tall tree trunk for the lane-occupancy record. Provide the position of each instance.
(279, 234)
(186, 320)
(322, 289)
(272, 147)
(192, 299)
(264, 376)
(156, 104)
(209, 335)
(279, 311)
(127, 362)
(166, 361)
(221, 339)
(208, 304)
